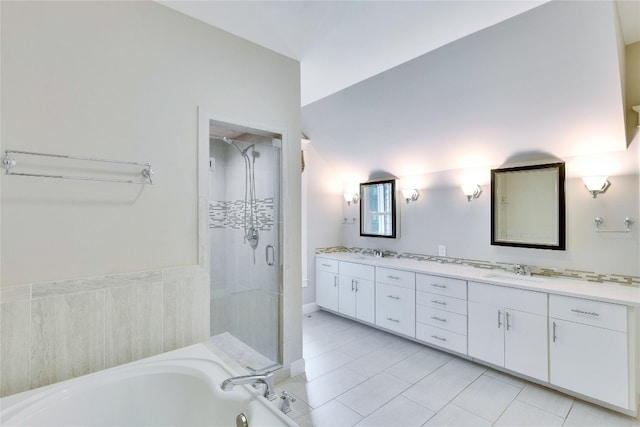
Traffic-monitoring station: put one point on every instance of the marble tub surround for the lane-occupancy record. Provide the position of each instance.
(58, 330)
(588, 276)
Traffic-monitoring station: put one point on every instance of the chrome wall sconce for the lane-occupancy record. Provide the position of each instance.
(472, 191)
(596, 184)
(410, 195)
(351, 198)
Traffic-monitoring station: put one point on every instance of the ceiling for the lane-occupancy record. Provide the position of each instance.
(412, 87)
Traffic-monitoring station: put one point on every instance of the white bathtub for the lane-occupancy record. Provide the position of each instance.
(178, 388)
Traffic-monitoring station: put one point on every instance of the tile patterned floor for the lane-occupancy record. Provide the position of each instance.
(360, 376)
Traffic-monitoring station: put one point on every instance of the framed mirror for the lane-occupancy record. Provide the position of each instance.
(528, 206)
(378, 209)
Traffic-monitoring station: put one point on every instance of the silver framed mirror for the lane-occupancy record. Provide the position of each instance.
(528, 206)
(378, 209)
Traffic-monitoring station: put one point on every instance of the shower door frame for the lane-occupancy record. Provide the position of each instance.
(204, 243)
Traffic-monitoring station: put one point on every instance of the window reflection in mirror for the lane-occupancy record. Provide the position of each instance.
(378, 209)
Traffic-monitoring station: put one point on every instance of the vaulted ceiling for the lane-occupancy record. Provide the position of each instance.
(415, 87)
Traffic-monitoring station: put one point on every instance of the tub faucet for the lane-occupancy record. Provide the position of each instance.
(254, 380)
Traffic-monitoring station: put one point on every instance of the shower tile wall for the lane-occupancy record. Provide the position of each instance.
(58, 330)
(244, 302)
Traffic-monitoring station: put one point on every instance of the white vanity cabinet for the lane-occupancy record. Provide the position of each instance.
(396, 300)
(327, 283)
(508, 328)
(441, 312)
(588, 349)
(356, 291)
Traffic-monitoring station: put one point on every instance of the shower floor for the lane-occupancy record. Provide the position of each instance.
(244, 355)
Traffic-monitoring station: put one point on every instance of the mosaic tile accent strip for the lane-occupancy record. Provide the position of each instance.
(590, 276)
(230, 214)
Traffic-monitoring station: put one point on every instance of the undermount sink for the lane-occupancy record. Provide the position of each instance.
(511, 276)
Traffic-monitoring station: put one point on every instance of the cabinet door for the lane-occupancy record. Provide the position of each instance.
(589, 360)
(347, 295)
(365, 300)
(486, 332)
(525, 344)
(327, 290)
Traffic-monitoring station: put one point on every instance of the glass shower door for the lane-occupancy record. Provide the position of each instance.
(244, 225)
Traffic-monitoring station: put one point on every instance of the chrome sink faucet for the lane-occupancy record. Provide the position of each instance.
(254, 380)
(521, 269)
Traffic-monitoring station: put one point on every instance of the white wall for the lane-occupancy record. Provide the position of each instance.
(324, 212)
(123, 80)
(443, 216)
(120, 80)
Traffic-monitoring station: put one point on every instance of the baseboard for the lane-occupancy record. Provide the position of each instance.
(310, 308)
(297, 367)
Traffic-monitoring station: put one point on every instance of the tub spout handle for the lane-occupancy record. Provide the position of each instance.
(287, 400)
(266, 379)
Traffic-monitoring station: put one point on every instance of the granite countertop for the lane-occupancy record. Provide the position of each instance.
(609, 292)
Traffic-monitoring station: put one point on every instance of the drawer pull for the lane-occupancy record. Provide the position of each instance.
(393, 320)
(438, 302)
(335, 281)
(438, 338)
(439, 319)
(508, 325)
(499, 319)
(393, 297)
(393, 277)
(554, 331)
(588, 313)
(435, 285)
(326, 265)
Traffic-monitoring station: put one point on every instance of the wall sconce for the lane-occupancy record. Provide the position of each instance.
(410, 195)
(637, 110)
(351, 198)
(472, 191)
(596, 184)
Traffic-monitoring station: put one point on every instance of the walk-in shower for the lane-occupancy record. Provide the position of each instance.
(245, 235)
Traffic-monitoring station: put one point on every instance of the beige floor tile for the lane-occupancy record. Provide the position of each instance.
(487, 397)
(522, 414)
(400, 412)
(373, 393)
(453, 416)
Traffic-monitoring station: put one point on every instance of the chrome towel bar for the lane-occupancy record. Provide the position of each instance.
(8, 163)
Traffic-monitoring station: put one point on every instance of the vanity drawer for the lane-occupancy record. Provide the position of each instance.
(395, 308)
(588, 312)
(442, 302)
(391, 276)
(453, 322)
(441, 285)
(502, 296)
(326, 264)
(359, 271)
(441, 338)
